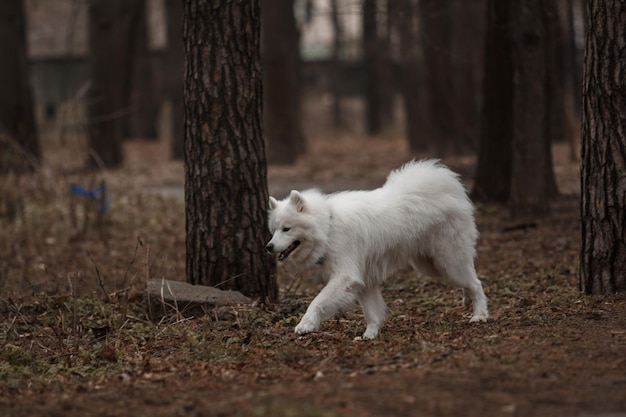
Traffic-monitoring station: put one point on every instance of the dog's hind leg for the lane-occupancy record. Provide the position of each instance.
(479, 301)
(374, 310)
(463, 274)
(467, 298)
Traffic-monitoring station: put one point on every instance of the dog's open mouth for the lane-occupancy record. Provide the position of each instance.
(284, 254)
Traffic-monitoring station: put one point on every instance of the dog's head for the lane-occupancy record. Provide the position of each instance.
(292, 222)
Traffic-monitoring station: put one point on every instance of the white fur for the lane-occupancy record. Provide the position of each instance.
(421, 217)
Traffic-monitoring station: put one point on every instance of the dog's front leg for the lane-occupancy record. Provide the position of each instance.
(339, 293)
(374, 310)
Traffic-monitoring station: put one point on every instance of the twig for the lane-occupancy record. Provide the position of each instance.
(147, 278)
(74, 312)
(229, 279)
(96, 157)
(184, 319)
(178, 313)
(147, 262)
(295, 282)
(132, 261)
(118, 292)
(164, 304)
(8, 330)
(99, 277)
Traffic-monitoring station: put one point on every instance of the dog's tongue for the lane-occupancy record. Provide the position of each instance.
(284, 254)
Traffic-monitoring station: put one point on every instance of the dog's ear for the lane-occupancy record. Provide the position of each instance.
(273, 203)
(297, 200)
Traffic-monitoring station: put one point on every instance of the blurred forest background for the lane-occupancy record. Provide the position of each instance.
(91, 115)
(391, 68)
(96, 98)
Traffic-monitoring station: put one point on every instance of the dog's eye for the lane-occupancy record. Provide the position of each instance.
(286, 229)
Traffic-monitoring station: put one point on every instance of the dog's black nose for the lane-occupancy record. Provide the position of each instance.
(269, 248)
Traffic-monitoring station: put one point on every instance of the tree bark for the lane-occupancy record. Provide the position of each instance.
(281, 82)
(226, 193)
(404, 16)
(335, 78)
(493, 170)
(436, 24)
(109, 64)
(143, 97)
(532, 164)
(17, 117)
(555, 92)
(468, 31)
(572, 79)
(603, 184)
(376, 61)
(373, 122)
(175, 63)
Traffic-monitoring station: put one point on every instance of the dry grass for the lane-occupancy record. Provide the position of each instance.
(74, 339)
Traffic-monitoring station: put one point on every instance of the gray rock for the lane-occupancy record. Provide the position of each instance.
(165, 297)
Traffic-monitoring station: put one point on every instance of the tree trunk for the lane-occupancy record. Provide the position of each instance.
(225, 169)
(576, 56)
(281, 82)
(404, 15)
(109, 64)
(335, 78)
(174, 64)
(17, 117)
(373, 122)
(436, 19)
(468, 55)
(556, 103)
(143, 97)
(530, 182)
(572, 79)
(384, 67)
(376, 62)
(603, 203)
(493, 171)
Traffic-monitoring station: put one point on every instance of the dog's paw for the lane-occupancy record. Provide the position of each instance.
(370, 333)
(479, 318)
(306, 325)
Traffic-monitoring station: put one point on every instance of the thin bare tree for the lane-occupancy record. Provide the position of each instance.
(18, 129)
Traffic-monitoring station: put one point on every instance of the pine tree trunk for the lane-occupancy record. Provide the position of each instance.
(530, 181)
(143, 97)
(436, 24)
(226, 193)
(17, 117)
(109, 63)
(335, 76)
(175, 63)
(468, 30)
(603, 205)
(493, 171)
(281, 83)
(404, 14)
(370, 62)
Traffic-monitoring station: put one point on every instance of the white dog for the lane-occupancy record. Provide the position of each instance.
(421, 217)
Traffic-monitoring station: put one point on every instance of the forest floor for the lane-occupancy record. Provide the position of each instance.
(74, 340)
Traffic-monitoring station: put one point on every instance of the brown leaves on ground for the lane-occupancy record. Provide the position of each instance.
(548, 350)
